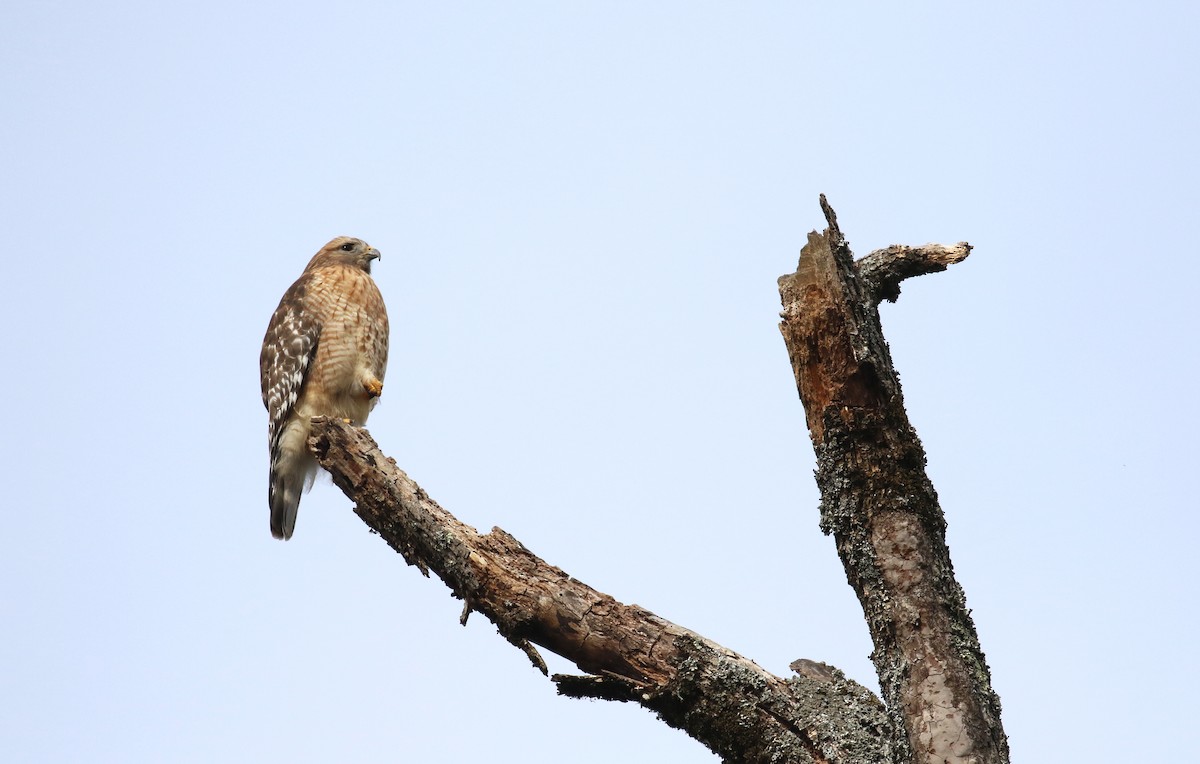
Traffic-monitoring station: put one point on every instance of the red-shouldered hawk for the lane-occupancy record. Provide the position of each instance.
(325, 354)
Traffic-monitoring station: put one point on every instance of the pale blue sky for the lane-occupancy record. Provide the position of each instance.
(582, 210)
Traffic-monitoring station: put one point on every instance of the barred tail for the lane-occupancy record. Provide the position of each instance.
(292, 472)
(285, 503)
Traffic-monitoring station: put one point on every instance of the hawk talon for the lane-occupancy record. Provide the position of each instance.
(373, 387)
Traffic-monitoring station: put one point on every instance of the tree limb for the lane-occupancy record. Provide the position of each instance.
(878, 502)
(882, 271)
(731, 705)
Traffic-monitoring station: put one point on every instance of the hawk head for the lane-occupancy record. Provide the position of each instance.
(345, 250)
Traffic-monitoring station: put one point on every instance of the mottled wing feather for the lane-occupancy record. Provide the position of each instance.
(288, 351)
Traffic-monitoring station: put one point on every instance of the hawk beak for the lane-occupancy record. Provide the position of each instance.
(373, 254)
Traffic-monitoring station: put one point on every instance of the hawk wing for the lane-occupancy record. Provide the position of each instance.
(288, 351)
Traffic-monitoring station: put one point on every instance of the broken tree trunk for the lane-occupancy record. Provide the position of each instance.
(878, 502)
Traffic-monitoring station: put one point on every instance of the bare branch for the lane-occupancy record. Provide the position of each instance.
(597, 687)
(879, 504)
(730, 704)
(882, 271)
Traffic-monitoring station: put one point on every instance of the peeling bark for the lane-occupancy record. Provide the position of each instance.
(878, 502)
(727, 702)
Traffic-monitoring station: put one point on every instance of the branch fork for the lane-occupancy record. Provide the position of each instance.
(876, 501)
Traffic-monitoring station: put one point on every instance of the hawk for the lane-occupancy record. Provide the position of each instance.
(325, 354)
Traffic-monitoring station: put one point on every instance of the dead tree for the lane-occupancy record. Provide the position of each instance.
(876, 501)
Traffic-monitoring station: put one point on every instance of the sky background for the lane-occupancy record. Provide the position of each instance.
(582, 210)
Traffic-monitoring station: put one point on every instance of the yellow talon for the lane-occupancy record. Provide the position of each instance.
(374, 387)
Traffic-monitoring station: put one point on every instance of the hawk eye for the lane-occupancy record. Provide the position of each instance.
(347, 247)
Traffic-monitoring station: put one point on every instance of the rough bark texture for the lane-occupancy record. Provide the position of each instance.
(882, 271)
(727, 702)
(878, 502)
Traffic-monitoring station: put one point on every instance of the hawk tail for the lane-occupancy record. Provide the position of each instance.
(285, 504)
(292, 473)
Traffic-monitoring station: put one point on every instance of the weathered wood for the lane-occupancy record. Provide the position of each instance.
(878, 502)
(882, 271)
(727, 702)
